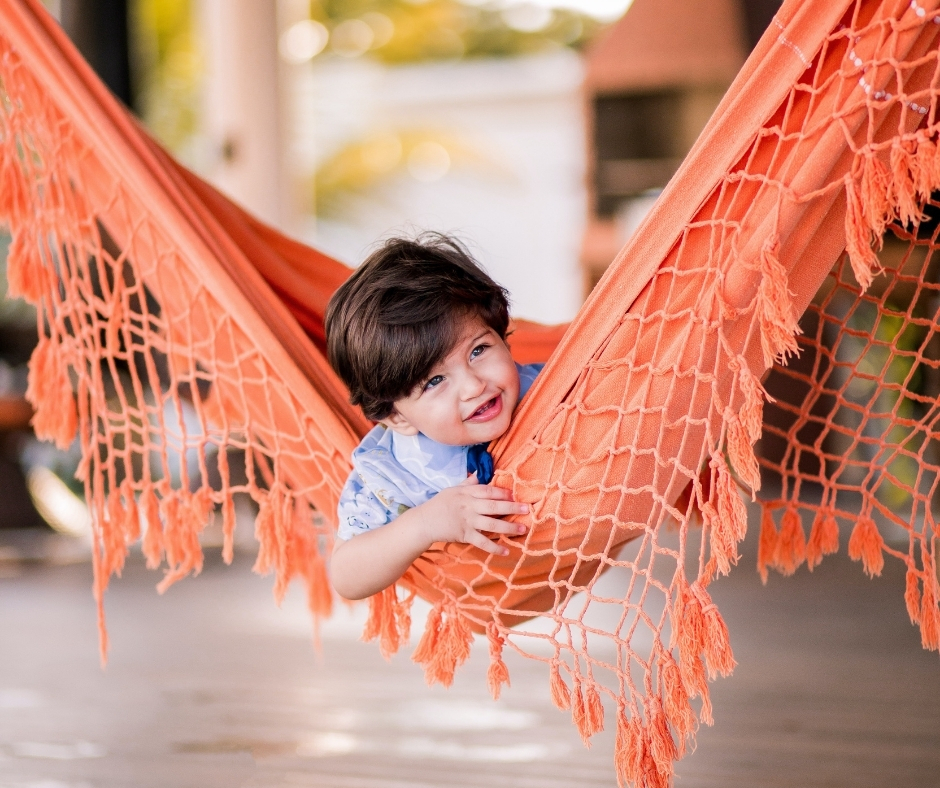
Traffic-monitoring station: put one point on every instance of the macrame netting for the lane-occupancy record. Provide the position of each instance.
(180, 342)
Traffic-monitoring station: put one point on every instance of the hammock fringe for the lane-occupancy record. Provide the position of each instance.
(657, 389)
(389, 621)
(823, 539)
(497, 674)
(867, 546)
(445, 644)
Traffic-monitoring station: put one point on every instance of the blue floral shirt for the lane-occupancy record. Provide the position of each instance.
(393, 473)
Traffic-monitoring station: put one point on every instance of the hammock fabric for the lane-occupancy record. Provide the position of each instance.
(177, 333)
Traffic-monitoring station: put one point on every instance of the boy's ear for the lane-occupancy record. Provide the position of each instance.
(395, 421)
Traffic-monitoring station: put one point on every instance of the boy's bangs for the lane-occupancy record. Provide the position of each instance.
(409, 352)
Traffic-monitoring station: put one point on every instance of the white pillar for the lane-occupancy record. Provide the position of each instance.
(241, 112)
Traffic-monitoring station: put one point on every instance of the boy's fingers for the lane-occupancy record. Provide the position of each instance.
(489, 491)
(502, 507)
(478, 540)
(494, 526)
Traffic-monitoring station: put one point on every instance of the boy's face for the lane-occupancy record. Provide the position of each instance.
(469, 397)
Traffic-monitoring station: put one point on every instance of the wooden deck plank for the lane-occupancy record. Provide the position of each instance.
(211, 686)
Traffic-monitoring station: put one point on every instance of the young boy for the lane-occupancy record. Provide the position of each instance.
(418, 335)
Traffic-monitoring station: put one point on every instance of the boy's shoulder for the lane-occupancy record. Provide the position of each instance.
(414, 460)
(376, 441)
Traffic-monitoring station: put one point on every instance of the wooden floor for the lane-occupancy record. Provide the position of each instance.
(211, 686)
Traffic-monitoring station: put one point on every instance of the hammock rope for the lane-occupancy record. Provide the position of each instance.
(179, 336)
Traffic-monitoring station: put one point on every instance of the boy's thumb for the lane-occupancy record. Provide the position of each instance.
(471, 479)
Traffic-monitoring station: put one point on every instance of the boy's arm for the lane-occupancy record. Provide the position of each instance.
(374, 560)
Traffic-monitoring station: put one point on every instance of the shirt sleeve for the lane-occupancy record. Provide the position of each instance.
(527, 376)
(359, 509)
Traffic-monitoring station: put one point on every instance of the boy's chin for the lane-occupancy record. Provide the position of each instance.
(487, 433)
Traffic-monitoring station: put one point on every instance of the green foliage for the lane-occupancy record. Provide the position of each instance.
(886, 374)
(406, 32)
(357, 169)
(167, 68)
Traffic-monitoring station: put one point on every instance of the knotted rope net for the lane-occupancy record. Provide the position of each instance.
(180, 344)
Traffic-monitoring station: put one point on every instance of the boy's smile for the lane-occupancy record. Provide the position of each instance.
(469, 397)
(488, 410)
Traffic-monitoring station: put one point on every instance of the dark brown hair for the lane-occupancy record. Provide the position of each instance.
(399, 315)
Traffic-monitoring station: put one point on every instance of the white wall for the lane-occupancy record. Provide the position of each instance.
(241, 150)
(521, 208)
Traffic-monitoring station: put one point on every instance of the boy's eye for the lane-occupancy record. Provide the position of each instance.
(478, 350)
(433, 382)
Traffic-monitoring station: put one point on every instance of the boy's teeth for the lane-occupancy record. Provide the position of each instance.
(485, 406)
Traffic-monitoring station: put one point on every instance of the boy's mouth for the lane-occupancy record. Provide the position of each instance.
(488, 410)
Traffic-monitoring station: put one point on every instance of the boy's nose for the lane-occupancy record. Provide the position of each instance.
(473, 385)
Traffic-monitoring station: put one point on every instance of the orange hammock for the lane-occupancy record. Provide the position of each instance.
(177, 334)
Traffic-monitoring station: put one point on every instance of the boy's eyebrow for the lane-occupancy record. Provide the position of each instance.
(480, 335)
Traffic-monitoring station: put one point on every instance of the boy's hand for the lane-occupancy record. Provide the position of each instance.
(459, 514)
(371, 561)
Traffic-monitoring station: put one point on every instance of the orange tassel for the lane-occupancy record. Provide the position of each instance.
(228, 509)
(718, 656)
(228, 529)
(858, 236)
(182, 526)
(273, 529)
(131, 524)
(903, 187)
(875, 194)
(453, 649)
(767, 546)
(169, 511)
(931, 170)
(662, 745)
(791, 546)
(266, 532)
(628, 750)
(196, 515)
(424, 651)
(587, 711)
(498, 673)
(676, 701)
(561, 695)
(305, 560)
(930, 615)
(595, 709)
(153, 539)
(923, 169)
(688, 634)
(50, 391)
(866, 544)
(823, 539)
(912, 595)
(741, 454)
(751, 413)
(579, 714)
(778, 319)
(725, 516)
(319, 592)
(98, 588)
(113, 543)
(26, 276)
(15, 197)
(691, 634)
(383, 622)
